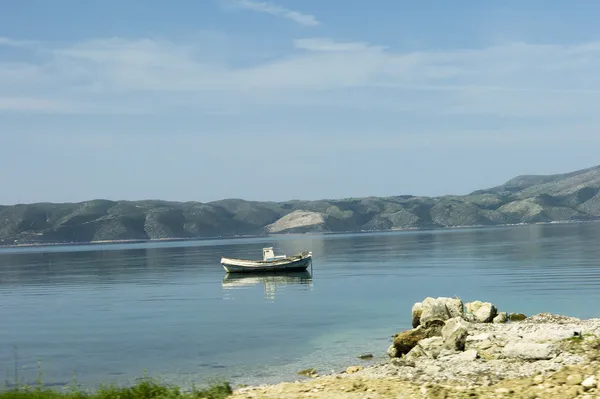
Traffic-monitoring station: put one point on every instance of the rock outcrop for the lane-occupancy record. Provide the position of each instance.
(297, 221)
(480, 341)
(530, 350)
(454, 334)
(436, 311)
(543, 356)
(502, 317)
(405, 341)
(481, 312)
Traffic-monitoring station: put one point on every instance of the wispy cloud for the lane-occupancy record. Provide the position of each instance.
(7, 42)
(330, 45)
(276, 10)
(25, 104)
(119, 75)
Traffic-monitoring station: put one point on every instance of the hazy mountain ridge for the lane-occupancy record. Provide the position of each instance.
(524, 199)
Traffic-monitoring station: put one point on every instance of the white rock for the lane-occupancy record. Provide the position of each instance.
(455, 306)
(392, 351)
(466, 356)
(589, 383)
(431, 346)
(479, 337)
(483, 312)
(446, 353)
(440, 309)
(454, 334)
(415, 353)
(529, 351)
(501, 318)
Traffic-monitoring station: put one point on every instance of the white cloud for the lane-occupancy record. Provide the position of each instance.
(276, 10)
(119, 75)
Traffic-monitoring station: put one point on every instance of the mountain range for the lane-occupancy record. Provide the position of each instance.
(572, 196)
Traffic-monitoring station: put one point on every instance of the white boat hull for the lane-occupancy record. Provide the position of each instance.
(290, 263)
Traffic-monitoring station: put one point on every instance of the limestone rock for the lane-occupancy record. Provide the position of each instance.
(439, 310)
(501, 318)
(392, 352)
(479, 337)
(432, 346)
(415, 353)
(433, 312)
(454, 334)
(417, 310)
(297, 220)
(470, 317)
(466, 356)
(589, 383)
(530, 350)
(483, 312)
(406, 340)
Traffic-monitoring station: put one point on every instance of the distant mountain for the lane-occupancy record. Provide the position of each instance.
(524, 199)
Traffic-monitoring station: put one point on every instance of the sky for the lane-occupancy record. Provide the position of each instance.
(199, 100)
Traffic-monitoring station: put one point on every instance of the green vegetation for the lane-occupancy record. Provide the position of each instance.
(146, 389)
(516, 317)
(588, 344)
(524, 199)
(308, 372)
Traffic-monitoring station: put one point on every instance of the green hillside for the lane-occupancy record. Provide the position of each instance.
(524, 199)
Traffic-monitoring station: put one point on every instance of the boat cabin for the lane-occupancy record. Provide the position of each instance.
(269, 254)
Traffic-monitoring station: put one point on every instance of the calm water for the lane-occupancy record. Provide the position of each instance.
(108, 313)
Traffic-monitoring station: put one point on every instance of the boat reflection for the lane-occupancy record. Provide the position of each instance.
(271, 281)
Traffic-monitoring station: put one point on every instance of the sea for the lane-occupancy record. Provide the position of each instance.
(114, 313)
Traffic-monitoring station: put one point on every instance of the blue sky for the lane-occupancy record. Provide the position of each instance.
(211, 99)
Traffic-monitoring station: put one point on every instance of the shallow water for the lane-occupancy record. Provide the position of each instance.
(108, 313)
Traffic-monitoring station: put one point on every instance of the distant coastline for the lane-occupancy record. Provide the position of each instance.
(570, 197)
(417, 229)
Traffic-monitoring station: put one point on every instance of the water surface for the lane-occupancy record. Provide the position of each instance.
(107, 313)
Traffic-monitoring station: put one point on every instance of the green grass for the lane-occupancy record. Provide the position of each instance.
(146, 389)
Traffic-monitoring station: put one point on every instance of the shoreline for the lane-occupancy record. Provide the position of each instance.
(276, 235)
(510, 356)
(542, 356)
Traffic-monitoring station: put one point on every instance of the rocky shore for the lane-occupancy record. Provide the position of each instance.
(458, 350)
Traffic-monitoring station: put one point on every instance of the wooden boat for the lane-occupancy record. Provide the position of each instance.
(269, 263)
